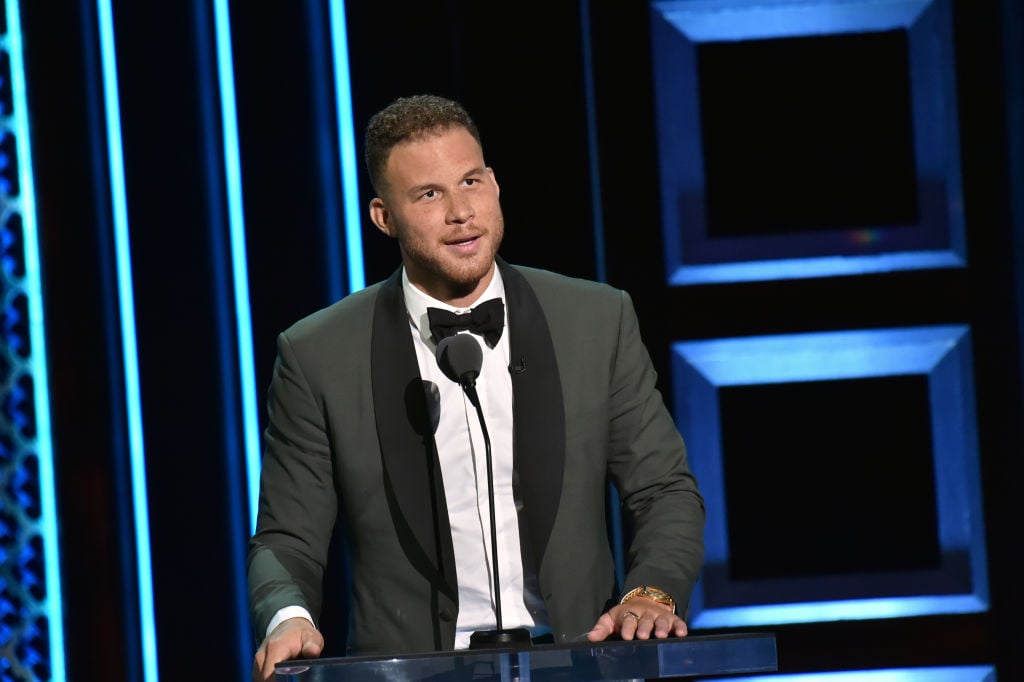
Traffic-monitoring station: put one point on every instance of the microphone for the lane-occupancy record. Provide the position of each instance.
(460, 358)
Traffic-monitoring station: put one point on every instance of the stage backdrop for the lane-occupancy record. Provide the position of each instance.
(816, 207)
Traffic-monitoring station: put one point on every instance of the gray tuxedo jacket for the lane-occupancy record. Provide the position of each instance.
(349, 441)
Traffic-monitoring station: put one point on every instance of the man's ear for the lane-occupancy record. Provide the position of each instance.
(381, 216)
(494, 180)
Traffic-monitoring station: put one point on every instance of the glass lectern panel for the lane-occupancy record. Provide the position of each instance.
(578, 662)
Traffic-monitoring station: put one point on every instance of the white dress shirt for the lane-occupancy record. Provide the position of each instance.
(462, 455)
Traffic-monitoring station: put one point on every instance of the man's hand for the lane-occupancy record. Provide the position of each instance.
(640, 618)
(292, 638)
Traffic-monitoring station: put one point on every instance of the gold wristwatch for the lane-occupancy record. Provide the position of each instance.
(652, 593)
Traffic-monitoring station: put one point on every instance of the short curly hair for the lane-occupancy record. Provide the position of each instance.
(410, 118)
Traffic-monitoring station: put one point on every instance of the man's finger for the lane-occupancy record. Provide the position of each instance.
(273, 656)
(664, 626)
(602, 629)
(680, 628)
(312, 644)
(646, 625)
(629, 625)
(257, 665)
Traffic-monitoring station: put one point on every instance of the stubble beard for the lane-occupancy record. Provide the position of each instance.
(451, 277)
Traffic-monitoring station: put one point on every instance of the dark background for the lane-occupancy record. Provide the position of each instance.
(521, 69)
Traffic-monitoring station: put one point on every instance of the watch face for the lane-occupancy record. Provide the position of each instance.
(659, 596)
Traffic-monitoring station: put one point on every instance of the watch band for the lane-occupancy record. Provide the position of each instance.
(652, 593)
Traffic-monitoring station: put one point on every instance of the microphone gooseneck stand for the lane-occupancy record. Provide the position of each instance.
(460, 358)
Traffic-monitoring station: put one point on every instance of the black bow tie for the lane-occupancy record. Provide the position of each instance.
(487, 320)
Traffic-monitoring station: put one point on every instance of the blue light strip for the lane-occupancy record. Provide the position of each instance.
(37, 336)
(852, 609)
(746, 20)
(817, 356)
(960, 673)
(595, 166)
(804, 268)
(126, 300)
(614, 503)
(239, 261)
(347, 144)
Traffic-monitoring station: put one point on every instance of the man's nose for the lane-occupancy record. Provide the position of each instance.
(460, 210)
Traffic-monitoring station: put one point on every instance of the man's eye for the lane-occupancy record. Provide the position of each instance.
(429, 194)
(471, 181)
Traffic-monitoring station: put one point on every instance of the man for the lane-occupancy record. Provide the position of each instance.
(366, 430)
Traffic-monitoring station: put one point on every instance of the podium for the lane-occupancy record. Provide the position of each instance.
(712, 655)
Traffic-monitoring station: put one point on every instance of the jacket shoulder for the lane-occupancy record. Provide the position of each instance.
(547, 284)
(578, 310)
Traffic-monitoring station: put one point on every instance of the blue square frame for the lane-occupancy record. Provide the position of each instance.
(692, 256)
(943, 355)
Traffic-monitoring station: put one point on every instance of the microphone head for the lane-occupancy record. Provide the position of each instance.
(460, 358)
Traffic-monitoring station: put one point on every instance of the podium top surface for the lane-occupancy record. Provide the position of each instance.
(576, 662)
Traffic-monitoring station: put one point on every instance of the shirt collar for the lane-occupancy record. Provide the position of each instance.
(417, 302)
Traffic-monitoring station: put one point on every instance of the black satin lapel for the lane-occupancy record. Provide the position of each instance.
(415, 489)
(538, 408)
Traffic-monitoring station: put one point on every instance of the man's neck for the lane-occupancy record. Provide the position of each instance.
(457, 297)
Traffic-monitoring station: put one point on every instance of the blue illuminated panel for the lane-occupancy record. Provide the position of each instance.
(942, 356)
(32, 624)
(966, 673)
(347, 142)
(126, 301)
(933, 238)
(239, 260)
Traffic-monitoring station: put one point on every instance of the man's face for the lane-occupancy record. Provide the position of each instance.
(441, 203)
